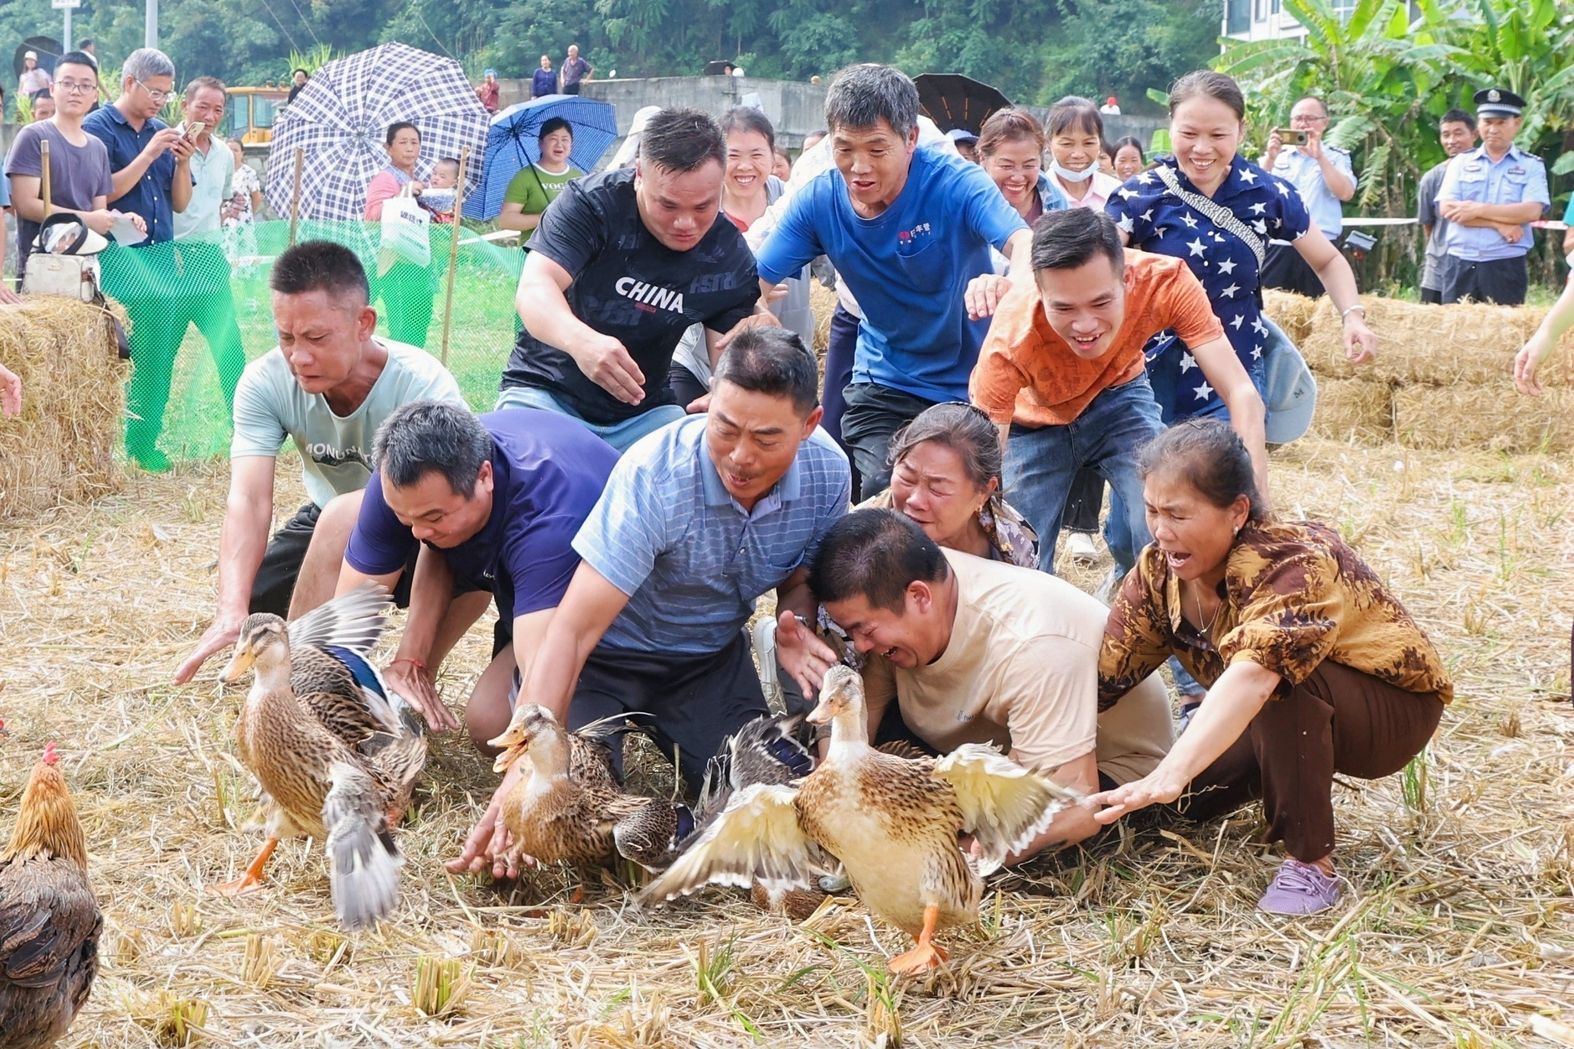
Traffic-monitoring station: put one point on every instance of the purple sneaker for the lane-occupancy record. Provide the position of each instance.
(1300, 888)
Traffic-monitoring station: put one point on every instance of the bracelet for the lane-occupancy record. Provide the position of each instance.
(408, 659)
(1352, 309)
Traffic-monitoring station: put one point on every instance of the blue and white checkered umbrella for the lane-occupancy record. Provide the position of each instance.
(513, 142)
(341, 116)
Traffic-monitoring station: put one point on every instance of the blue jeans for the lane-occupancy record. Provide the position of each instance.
(1042, 462)
(618, 435)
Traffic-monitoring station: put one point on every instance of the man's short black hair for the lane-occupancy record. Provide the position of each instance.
(1069, 238)
(85, 43)
(78, 58)
(424, 436)
(1459, 116)
(772, 361)
(320, 265)
(876, 555)
(681, 140)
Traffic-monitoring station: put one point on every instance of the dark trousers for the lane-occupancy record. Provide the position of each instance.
(694, 702)
(874, 414)
(274, 584)
(1284, 268)
(839, 351)
(1337, 720)
(685, 387)
(1431, 297)
(1502, 281)
(571, 89)
(1084, 501)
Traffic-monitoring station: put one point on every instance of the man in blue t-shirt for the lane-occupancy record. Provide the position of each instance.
(697, 521)
(496, 501)
(909, 230)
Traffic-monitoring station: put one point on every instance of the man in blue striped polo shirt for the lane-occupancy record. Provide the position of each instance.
(698, 520)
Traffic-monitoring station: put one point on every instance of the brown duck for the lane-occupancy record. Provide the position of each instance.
(892, 822)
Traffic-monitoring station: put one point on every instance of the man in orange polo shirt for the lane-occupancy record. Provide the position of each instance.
(1062, 373)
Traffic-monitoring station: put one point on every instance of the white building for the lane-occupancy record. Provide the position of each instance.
(1267, 19)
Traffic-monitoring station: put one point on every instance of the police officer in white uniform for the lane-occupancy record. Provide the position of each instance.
(1322, 174)
(1489, 196)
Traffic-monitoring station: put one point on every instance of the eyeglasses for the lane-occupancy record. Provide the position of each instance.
(155, 95)
(76, 87)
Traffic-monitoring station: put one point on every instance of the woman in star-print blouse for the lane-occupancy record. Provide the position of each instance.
(1214, 188)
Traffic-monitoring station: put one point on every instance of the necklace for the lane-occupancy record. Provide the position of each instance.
(1205, 629)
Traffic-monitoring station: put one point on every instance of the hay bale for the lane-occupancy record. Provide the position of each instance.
(1292, 312)
(822, 302)
(1354, 410)
(1491, 417)
(61, 448)
(1437, 345)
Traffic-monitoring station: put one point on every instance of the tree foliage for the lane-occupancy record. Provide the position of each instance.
(1034, 50)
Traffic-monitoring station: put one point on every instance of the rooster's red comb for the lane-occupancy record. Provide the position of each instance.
(50, 757)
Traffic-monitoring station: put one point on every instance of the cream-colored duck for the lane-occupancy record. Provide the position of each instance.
(892, 822)
(557, 814)
(318, 782)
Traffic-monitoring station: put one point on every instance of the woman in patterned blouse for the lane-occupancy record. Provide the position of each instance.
(1217, 210)
(1312, 667)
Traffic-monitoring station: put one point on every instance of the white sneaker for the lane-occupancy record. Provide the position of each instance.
(1081, 548)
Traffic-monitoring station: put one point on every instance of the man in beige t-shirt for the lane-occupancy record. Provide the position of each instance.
(979, 651)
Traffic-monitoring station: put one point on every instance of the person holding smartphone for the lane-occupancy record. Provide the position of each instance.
(1322, 175)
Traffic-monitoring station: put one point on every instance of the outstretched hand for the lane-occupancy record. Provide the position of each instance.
(489, 842)
(802, 654)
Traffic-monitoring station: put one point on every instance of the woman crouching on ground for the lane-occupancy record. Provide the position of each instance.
(1312, 667)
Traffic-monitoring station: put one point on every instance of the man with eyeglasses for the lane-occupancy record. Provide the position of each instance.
(151, 165)
(79, 171)
(1322, 175)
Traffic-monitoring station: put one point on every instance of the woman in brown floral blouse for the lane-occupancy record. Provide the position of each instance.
(1312, 666)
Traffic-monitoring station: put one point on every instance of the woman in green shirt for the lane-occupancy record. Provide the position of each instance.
(537, 185)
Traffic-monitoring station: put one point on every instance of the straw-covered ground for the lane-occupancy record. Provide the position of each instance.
(1458, 929)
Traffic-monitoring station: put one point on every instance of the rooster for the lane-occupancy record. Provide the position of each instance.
(49, 920)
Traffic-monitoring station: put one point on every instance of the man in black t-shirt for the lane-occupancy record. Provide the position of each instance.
(620, 266)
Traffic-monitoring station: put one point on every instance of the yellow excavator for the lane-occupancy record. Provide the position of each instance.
(251, 112)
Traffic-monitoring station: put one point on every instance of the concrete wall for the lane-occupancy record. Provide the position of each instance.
(794, 108)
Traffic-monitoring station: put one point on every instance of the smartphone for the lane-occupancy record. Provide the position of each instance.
(195, 129)
(1291, 137)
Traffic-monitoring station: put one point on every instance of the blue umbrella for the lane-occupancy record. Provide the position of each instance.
(512, 143)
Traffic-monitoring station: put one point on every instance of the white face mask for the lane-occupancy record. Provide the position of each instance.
(1069, 175)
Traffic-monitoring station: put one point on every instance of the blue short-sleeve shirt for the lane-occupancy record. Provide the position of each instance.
(1515, 179)
(667, 533)
(150, 196)
(1306, 175)
(1158, 221)
(548, 470)
(908, 267)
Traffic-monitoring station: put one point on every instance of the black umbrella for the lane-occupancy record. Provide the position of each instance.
(952, 100)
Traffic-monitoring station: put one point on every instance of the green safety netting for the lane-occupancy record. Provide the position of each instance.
(211, 300)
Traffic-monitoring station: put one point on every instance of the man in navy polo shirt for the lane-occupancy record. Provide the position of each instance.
(496, 500)
(698, 520)
(150, 165)
(909, 230)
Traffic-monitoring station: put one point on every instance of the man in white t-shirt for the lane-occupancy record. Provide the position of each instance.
(979, 651)
(327, 386)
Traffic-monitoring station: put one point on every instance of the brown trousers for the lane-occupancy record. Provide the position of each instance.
(1337, 720)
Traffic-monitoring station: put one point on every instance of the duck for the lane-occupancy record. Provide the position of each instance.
(331, 673)
(556, 815)
(892, 823)
(325, 771)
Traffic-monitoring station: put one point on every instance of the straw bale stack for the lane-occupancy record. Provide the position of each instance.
(1435, 345)
(1492, 418)
(1354, 410)
(1291, 312)
(62, 447)
(1442, 378)
(822, 302)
